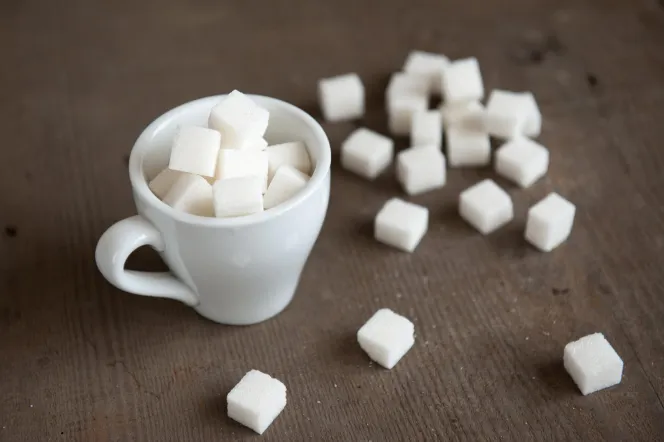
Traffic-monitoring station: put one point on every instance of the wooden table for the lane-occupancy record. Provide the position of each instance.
(82, 361)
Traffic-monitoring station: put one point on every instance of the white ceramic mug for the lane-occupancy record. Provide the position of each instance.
(231, 270)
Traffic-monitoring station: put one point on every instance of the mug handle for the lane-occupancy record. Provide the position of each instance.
(120, 241)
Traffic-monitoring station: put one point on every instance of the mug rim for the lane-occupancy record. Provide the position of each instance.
(140, 184)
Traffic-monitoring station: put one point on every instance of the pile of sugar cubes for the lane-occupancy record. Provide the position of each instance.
(227, 169)
(465, 126)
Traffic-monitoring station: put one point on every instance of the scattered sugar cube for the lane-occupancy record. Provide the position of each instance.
(550, 222)
(403, 84)
(467, 147)
(195, 150)
(235, 163)
(506, 114)
(420, 169)
(286, 183)
(256, 400)
(469, 115)
(366, 153)
(238, 118)
(386, 337)
(429, 65)
(486, 206)
(342, 97)
(592, 363)
(462, 81)
(238, 196)
(533, 126)
(427, 129)
(162, 183)
(401, 224)
(400, 114)
(293, 154)
(191, 194)
(522, 160)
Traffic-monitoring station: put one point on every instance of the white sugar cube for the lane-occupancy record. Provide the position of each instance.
(235, 163)
(238, 196)
(401, 224)
(403, 84)
(293, 154)
(429, 65)
(426, 129)
(462, 81)
(256, 400)
(401, 111)
(592, 363)
(162, 183)
(256, 143)
(522, 160)
(195, 150)
(366, 153)
(469, 115)
(550, 222)
(467, 148)
(506, 114)
(342, 97)
(238, 118)
(386, 337)
(287, 181)
(486, 206)
(420, 169)
(191, 194)
(533, 125)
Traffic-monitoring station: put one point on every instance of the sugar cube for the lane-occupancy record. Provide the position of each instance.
(195, 150)
(506, 114)
(256, 400)
(486, 206)
(256, 143)
(533, 125)
(427, 129)
(592, 363)
(429, 65)
(420, 169)
(341, 97)
(462, 81)
(293, 154)
(386, 337)
(550, 222)
(467, 147)
(191, 194)
(162, 183)
(401, 224)
(238, 118)
(287, 181)
(522, 160)
(401, 111)
(469, 115)
(366, 153)
(403, 84)
(235, 163)
(238, 196)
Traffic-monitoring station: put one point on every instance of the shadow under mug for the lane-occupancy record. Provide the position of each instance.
(236, 271)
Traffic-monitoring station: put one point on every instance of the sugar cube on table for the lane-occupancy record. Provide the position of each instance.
(341, 97)
(407, 84)
(256, 400)
(467, 148)
(486, 206)
(462, 81)
(522, 161)
(427, 64)
(386, 337)
(401, 224)
(162, 183)
(401, 111)
(235, 163)
(469, 115)
(195, 150)
(238, 118)
(294, 154)
(592, 363)
(420, 169)
(366, 153)
(191, 194)
(506, 114)
(287, 181)
(427, 129)
(238, 196)
(550, 222)
(533, 125)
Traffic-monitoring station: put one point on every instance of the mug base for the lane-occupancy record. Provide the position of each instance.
(244, 321)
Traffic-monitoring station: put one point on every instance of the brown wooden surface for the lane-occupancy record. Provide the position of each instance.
(81, 361)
